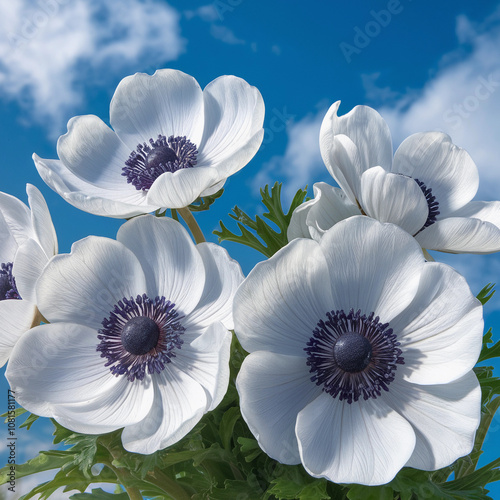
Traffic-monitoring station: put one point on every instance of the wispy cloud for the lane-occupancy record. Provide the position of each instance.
(48, 47)
(224, 34)
(301, 164)
(462, 99)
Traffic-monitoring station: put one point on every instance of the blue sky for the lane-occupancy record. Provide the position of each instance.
(422, 67)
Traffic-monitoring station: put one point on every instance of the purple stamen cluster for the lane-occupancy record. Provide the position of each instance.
(140, 334)
(8, 289)
(353, 355)
(432, 204)
(148, 162)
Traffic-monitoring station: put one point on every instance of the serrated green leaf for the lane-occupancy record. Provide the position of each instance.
(17, 412)
(360, 492)
(486, 293)
(32, 418)
(489, 352)
(204, 203)
(285, 489)
(267, 240)
(249, 448)
(99, 494)
(226, 426)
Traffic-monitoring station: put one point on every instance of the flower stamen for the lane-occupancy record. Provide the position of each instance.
(8, 288)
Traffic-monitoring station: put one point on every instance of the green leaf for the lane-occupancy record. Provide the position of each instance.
(32, 418)
(285, 489)
(266, 240)
(204, 203)
(486, 293)
(360, 492)
(99, 494)
(249, 448)
(489, 352)
(17, 412)
(226, 426)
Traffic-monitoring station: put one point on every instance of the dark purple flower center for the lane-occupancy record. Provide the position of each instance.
(8, 289)
(140, 335)
(148, 162)
(353, 355)
(432, 204)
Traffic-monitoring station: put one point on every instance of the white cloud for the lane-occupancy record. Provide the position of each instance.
(207, 13)
(301, 164)
(224, 34)
(462, 99)
(50, 50)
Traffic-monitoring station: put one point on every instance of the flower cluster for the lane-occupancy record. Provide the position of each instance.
(360, 347)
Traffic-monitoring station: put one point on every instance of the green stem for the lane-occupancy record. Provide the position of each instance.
(186, 214)
(169, 486)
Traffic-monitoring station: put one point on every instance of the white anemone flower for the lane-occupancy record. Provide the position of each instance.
(426, 189)
(361, 355)
(170, 143)
(27, 242)
(138, 335)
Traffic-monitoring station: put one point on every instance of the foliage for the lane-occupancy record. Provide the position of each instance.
(257, 233)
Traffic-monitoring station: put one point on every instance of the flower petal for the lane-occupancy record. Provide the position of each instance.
(223, 276)
(179, 404)
(41, 221)
(487, 211)
(448, 170)
(393, 198)
(444, 418)
(234, 112)
(169, 102)
(459, 235)
(93, 152)
(28, 266)
(441, 331)
(280, 303)
(17, 218)
(90, 198)
(8, 244)
(172, 265)
(329, 206)
(273, 389)
(366, 442)
(53, 367)
(179, 189)
(367, 131)
(206, 360)
(374, 267)
(84, 286)
(16, 318)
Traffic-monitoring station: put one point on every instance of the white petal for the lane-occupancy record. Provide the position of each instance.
(279, 304)
(298, 227)
(374, 267)
(28, 266)
(90, 198)
(85, 285)
(53, 367)
(8, 244)
(234, 112)
(448, 170)
(365, 442)
(366, 130)
(181, 188)
(223, 276)
(179, 404)
(16, 318)
(41, 221)
(329, 206)
(459, 235)
(444, 418)
(487, 211)
(206, 360)
(213, 189)
(393, 198)
(172, 265)
(441, 331)
(273, 389)
(93, 152)
(168, 103)
(17, 218)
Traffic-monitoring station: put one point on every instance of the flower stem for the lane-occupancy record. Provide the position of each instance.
(186, 214)
(169, 486)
